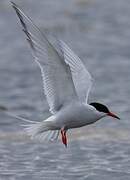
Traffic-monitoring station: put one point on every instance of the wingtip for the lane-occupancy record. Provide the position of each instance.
(12, 3)
(14, 6)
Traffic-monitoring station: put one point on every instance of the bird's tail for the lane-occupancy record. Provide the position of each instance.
(41, 131)
(36, 130)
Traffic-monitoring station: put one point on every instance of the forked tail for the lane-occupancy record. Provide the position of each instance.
(41, 131)
(36, 130)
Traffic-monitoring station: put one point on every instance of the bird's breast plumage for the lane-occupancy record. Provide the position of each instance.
(76, 115)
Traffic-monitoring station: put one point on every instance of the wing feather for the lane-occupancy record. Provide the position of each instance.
(80, 75)
(56, 75)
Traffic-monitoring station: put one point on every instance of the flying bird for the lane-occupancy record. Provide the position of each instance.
(66, 84)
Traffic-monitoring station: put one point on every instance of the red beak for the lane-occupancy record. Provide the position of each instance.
(113, 115)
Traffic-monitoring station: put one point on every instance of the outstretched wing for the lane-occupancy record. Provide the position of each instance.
(80, 75)
(57, 80)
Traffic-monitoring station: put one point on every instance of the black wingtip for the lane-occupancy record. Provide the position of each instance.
(12, 3)
(14, 6)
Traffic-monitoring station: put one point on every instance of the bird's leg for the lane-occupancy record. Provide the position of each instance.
(64, 137)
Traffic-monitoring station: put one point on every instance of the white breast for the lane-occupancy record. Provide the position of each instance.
(76, 115)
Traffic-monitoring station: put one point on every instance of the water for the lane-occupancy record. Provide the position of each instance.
(99, 32)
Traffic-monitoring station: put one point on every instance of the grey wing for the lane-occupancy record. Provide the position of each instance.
(80, 75)
(57, 79)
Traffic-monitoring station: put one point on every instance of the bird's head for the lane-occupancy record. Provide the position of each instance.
(103, 109)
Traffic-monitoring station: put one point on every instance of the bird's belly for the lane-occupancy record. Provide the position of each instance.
(76, 123)
(75, 117)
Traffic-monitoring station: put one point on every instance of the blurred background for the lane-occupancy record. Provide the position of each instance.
(99, 32)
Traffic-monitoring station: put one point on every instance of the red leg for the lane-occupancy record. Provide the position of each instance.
(64, 137)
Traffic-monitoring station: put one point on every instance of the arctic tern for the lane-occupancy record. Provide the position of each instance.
(66, 83)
